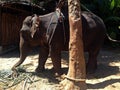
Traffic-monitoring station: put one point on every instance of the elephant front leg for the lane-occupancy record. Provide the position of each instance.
(56, 60)
(43, 55)
(24, 49)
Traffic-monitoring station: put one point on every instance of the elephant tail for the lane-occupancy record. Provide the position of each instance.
(113, 40)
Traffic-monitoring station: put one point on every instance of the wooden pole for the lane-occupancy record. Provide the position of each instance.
(75, 79)
(0, 26)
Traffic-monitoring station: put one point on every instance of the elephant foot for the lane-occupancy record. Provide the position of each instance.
(38, 70)
(14, 74)
(90, 69)
(58, 73)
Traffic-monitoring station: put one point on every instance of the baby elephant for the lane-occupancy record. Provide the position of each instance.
(51, 33)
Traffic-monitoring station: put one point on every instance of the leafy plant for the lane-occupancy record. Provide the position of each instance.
(109, 11)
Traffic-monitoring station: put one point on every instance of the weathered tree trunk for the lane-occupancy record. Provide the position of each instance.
(75, 79)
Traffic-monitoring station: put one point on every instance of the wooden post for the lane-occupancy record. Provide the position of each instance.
(76, 76)
(0, 26)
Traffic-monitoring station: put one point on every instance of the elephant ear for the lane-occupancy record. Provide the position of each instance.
(35, 24)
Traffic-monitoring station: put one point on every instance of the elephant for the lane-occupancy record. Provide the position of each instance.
(51, 33)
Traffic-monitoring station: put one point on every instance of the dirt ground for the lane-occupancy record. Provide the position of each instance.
(107, 76)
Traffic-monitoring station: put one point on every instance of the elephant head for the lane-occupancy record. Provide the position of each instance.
(35, 24)
(30, 25)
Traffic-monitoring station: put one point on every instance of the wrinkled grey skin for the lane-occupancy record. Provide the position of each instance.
(33, 33)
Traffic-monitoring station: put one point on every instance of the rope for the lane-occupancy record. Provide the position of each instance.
(53, 29)
(64, 31)
(75, 80)
(47, 32)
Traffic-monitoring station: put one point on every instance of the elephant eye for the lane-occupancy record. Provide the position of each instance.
(29, 23)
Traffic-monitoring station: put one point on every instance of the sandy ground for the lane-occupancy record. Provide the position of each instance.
(107, 76)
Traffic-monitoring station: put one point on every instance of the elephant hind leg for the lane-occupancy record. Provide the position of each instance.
(92, 61)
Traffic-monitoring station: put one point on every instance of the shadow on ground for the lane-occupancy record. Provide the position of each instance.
(108, 66)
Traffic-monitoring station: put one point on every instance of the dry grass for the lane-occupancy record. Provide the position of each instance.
(107, 76)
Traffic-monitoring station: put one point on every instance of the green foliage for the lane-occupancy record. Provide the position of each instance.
(105, 8)
(109, 11)
(34, 1)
